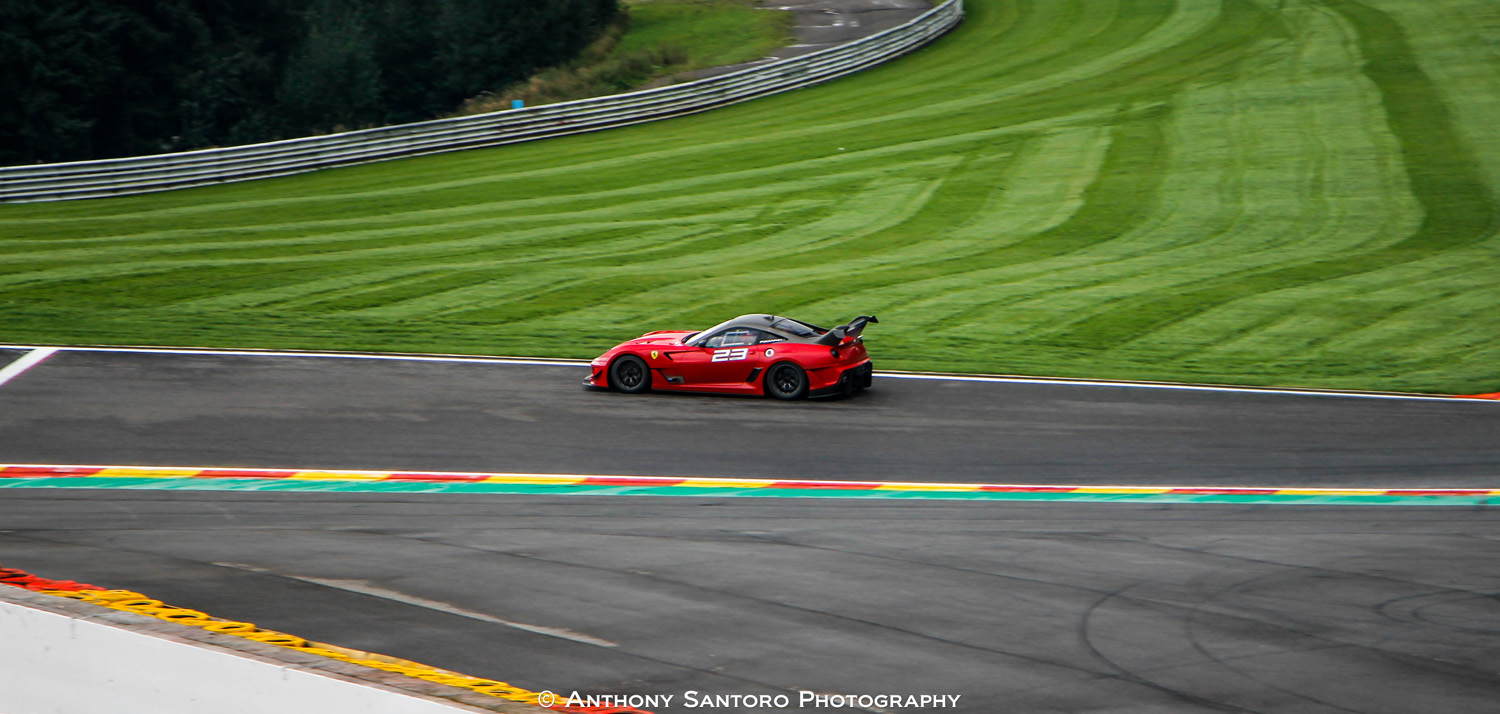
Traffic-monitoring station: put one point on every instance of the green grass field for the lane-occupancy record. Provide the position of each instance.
(1270, 192)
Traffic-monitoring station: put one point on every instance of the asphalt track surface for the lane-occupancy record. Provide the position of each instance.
(1017, 607)
(305, 412)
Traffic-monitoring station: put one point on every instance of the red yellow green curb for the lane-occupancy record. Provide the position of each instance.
(226, 479)
(129, 601)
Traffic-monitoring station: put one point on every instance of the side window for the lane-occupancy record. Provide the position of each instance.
(797, 327)
(766, 337)
(738, 337)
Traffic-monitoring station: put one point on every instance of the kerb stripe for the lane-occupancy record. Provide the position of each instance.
(239, 479)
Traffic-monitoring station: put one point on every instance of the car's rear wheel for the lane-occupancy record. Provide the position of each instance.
(786, 381)
(630, 375)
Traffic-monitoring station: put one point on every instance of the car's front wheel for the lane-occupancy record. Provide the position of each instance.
(630, 375)
(786, 381)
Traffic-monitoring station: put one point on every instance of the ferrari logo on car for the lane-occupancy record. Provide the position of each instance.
(731, 355)
(655, 354)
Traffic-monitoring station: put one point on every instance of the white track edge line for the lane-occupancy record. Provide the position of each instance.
(366, 588)
(757, 481)
(477, 359)
(1175, 387)
(929, 376)
(31, 359)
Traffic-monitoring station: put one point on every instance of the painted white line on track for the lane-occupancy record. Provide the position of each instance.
(1173, 387)
(540, 361)
(27, 361)
(364, 588)
(929, 376)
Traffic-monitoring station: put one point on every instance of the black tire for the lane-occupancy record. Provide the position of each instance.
(630, 375)
(785, 380)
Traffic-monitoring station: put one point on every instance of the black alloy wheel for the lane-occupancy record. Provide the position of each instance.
(630, 375)
(786, 381)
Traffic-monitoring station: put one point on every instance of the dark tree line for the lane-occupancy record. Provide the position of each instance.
(88, 79)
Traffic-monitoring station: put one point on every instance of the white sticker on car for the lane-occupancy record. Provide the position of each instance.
(731, 355)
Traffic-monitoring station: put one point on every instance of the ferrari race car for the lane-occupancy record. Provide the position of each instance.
(751, 354)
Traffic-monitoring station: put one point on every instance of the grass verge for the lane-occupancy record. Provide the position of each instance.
(1236, 191)
(653, 42)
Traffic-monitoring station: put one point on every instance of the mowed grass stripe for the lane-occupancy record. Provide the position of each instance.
(1240, 191)
(1458, 206)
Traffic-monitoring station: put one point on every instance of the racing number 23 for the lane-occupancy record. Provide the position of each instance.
(731, 355)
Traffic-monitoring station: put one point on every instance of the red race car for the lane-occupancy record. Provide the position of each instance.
(751, 354)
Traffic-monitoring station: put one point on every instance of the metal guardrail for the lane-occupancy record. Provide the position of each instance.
(162, 172)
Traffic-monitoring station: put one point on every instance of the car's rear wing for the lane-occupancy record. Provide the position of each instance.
(844, 334)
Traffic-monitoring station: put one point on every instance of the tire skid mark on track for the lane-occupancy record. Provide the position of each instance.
(1191, 629)
(1128, 674)
(830, 614)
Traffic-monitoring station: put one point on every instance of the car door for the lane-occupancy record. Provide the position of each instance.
(724, 358)
(762, 354)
